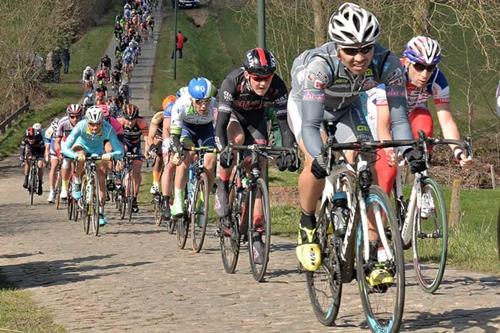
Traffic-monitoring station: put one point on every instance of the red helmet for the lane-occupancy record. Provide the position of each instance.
(30, 132)
(259, 61)
(130, 112)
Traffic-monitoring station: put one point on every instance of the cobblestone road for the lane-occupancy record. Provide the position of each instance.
(133, 278)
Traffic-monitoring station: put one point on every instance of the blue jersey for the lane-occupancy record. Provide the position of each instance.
(92, 144)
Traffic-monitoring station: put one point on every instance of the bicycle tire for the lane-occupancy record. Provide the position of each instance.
(130, 198)
(259, 269)
(324, 285)
(69, 209)
(32, 183)
(57, 189)
(386, 318)
(95, 206)
(182, 231)
(86, 218)
(157, 209)
(230, 242)
(433, 230)
(199, 220)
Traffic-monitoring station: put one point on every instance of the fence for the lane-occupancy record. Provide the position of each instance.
(6, 123)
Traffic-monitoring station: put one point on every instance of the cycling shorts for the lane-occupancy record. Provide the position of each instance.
(198, 135)
(351, 124)
(253, 135)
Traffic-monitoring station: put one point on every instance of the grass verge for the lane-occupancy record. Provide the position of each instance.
(86, 51)
(18, 312)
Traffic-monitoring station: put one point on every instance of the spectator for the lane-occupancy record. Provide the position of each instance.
(57, 56)
(49, 66)
(66, 57)
(180, 39)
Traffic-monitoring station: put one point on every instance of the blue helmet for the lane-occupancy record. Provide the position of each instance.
(201, 88)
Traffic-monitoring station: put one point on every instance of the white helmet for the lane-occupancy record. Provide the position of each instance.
(88, 68)
(182, 91)
(37, 126)
(352, 24)
(423, 50)
(94, 115)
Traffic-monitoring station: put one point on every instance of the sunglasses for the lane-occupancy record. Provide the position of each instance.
(73, 117)
(203, 100)
(260, 78)
(352, 51)
(421, 67)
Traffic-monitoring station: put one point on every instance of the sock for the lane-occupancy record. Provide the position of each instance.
(64, 184)
(308, 220)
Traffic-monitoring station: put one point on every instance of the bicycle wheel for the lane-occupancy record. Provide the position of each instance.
(70, 208)
(157, 209)
(171, 224)
(86, 209)
(258, 261)
(383, 303)
(95, 206)
(229, 232)
(325, 285)
(33, 179)
(182, 231)
(199, 213)
(130, 198)
(430, 237)
(57, 189)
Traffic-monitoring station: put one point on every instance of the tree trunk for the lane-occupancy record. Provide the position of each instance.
(320, 22)
(421, 14)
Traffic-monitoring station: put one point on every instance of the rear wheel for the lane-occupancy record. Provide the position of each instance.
(157, 208)
(199, 213)
(325, 285)
(259, 235)
(383, 300)
(229, 229)
(430, 237)
(32, 182)
(182, 230)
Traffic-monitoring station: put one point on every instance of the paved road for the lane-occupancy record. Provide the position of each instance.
(133, 278)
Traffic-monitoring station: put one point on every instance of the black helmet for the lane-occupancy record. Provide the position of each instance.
(259, 61)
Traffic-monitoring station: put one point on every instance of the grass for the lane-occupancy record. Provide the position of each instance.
(18, 312)
(86, 51)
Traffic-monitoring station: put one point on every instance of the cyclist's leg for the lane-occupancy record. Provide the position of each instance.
(207, 139)
(54, 162)
(310, 189)
(66, 169)
(137, 177)
(181, 172)
(236, 136)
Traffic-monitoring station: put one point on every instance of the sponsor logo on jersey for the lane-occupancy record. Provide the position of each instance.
(228, 96)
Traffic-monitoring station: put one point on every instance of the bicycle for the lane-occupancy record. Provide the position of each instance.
(348, 200)
(196, 202)
(89, 202)
(423, 220)
(33, 177)
(125, 198)
(238, 226)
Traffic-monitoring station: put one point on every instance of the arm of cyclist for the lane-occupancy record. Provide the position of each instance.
(66, 149)
(450, 131)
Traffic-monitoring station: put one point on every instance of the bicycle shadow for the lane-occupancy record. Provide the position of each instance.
(59, 272)
(457, 320)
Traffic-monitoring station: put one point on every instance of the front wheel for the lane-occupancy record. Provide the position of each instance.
(157, 206)
(381, 275)
(229, 229)
(325, 285)
(259, 231)
(95, 206)
(199, 213)
(430, 237)
(182, 231)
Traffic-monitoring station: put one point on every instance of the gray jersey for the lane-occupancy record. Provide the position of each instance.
(323, 86)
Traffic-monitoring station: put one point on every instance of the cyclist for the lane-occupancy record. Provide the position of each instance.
(133, 128)
(326, 82)
(33, 146)
(424, 81)
(88, 138)
(116, 79)
(50, 154)
(192, 125)
(88, 78)
(64, 127)
(169, 168)
(155, 137)
(106, 63)
(245, 95)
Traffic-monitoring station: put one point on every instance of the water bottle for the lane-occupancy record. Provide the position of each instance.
(244, 182)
